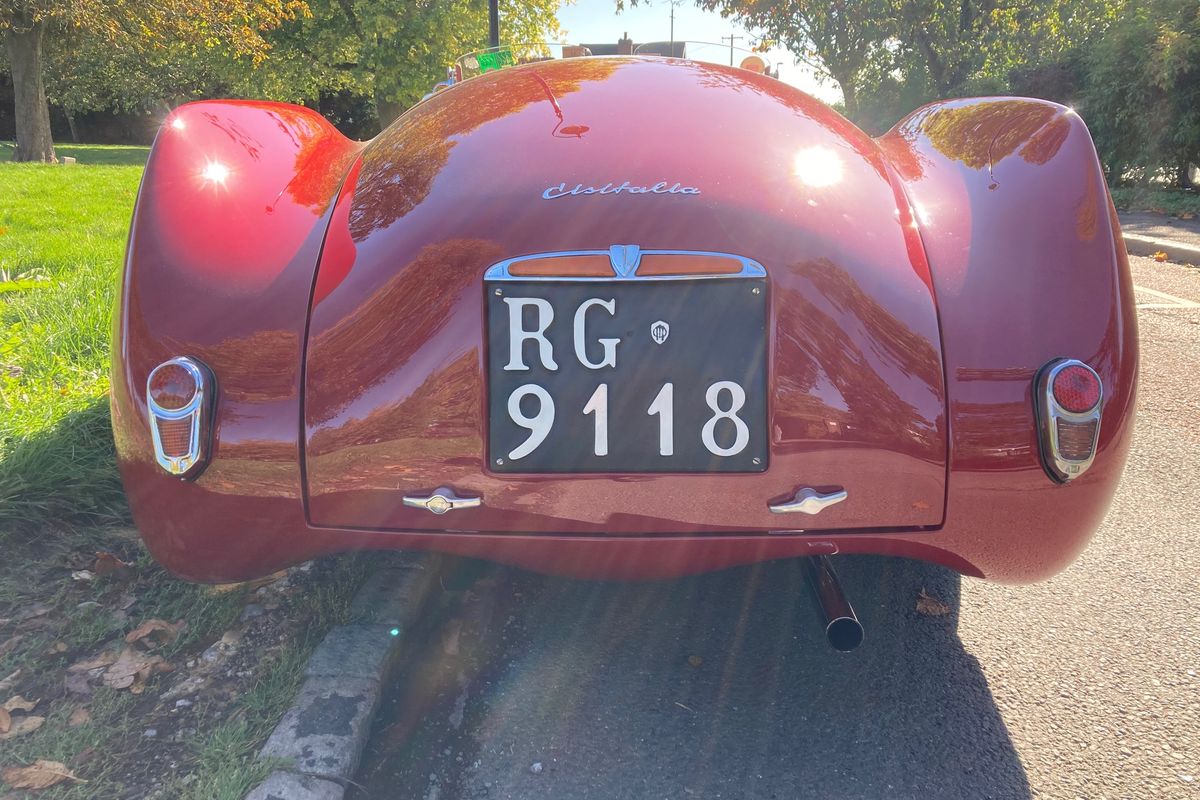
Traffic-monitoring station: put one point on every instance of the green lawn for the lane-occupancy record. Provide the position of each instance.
(62, 240)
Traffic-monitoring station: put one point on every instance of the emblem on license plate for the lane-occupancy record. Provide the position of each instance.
(659, 332)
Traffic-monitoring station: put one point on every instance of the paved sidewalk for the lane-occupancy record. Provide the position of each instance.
(1147, 234)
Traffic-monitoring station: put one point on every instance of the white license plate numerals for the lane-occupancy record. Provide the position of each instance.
(724, 398)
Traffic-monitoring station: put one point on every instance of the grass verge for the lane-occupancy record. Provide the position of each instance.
(1176, 202)
(62, 239)
(74, 582)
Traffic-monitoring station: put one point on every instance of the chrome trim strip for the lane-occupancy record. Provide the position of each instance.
(625, 260)
(1048, 412)
(809, 501)
(196, 411)
(442, 500)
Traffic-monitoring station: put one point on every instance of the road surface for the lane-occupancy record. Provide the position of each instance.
(1084, 686)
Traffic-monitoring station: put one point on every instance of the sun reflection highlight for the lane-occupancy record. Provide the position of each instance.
(817, 167)
(178, 123)
(215, 172)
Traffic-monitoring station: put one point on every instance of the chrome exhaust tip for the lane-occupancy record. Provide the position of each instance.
(843, 631)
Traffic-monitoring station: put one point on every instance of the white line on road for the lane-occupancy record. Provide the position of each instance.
(1175, 302)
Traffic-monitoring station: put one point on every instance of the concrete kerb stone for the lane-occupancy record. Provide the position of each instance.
(1178, 252)
(325, 730)
(321, 737)
(282, 785)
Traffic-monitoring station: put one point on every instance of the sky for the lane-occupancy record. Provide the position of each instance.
(598, 21)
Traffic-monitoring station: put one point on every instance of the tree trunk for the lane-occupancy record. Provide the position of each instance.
(32, 112)
(849, 96)
(71, 124)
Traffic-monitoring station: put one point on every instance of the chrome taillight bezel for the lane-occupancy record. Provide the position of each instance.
(1049, 412)
(197, 412)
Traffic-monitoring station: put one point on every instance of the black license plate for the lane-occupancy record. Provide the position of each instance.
(636, 376)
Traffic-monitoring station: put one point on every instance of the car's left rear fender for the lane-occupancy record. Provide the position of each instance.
(224, 245)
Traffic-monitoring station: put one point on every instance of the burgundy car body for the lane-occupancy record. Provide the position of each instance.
(917, 284)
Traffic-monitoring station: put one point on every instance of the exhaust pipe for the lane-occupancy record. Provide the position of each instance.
(843, 631)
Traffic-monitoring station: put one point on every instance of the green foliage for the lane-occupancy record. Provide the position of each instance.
(1142, 96)
(393, 51)
(842, 40)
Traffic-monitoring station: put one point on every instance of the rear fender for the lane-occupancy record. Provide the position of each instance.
(224, 244)
(1028, 265)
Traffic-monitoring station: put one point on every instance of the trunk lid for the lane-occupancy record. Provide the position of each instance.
(678, 156)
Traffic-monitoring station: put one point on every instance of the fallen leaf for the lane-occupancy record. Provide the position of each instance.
(40, 774)
(20, 726)
(10, 681)
(247, 586)
(95, 662)
(18, 703)
(930, 606)
(1160, 256)
(155, 633)
(10, 644)
(5, 721)
(83, 575)
(695, 661)
(33, 610)
(57, 647)
(80, 716)
(108, 564)
(132, 669)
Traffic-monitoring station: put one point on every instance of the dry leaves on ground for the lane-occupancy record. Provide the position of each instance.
(247, 586)
(155, 633)
(1160, 256)
(108, 564)
(10, 726)
(10, 681)
(80, 716)
(18, 703)
(40, 774)
(132, 669)
(930, 606)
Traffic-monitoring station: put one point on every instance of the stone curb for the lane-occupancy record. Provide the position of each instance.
(322, 736)
(1178, 252)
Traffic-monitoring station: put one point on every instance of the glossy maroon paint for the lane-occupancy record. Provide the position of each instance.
(914, 293)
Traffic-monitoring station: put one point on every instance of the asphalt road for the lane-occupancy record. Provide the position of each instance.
(1085, 686)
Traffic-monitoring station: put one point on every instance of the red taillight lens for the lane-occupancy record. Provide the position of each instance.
(172, 386)
(1076, 389)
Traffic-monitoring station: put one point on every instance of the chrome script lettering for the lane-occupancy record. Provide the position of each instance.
(662, 187)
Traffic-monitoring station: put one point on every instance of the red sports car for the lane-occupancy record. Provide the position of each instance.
(629, 317)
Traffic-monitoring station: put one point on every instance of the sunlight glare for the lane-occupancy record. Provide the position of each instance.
(817, 167)
(215, 172)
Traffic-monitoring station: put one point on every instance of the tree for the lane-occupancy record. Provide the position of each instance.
(837, 38)
(24, 24)
(1142, 92)
(394, 50)
(114, 51)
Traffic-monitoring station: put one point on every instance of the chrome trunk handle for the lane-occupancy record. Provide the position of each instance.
(442, 500)
(808, 501)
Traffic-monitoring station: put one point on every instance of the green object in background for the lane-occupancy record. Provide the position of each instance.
(496, 60)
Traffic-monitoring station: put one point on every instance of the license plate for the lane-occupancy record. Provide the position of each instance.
(638, 376)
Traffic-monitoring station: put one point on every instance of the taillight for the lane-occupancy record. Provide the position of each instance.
(179, 395)
(1067, 399)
